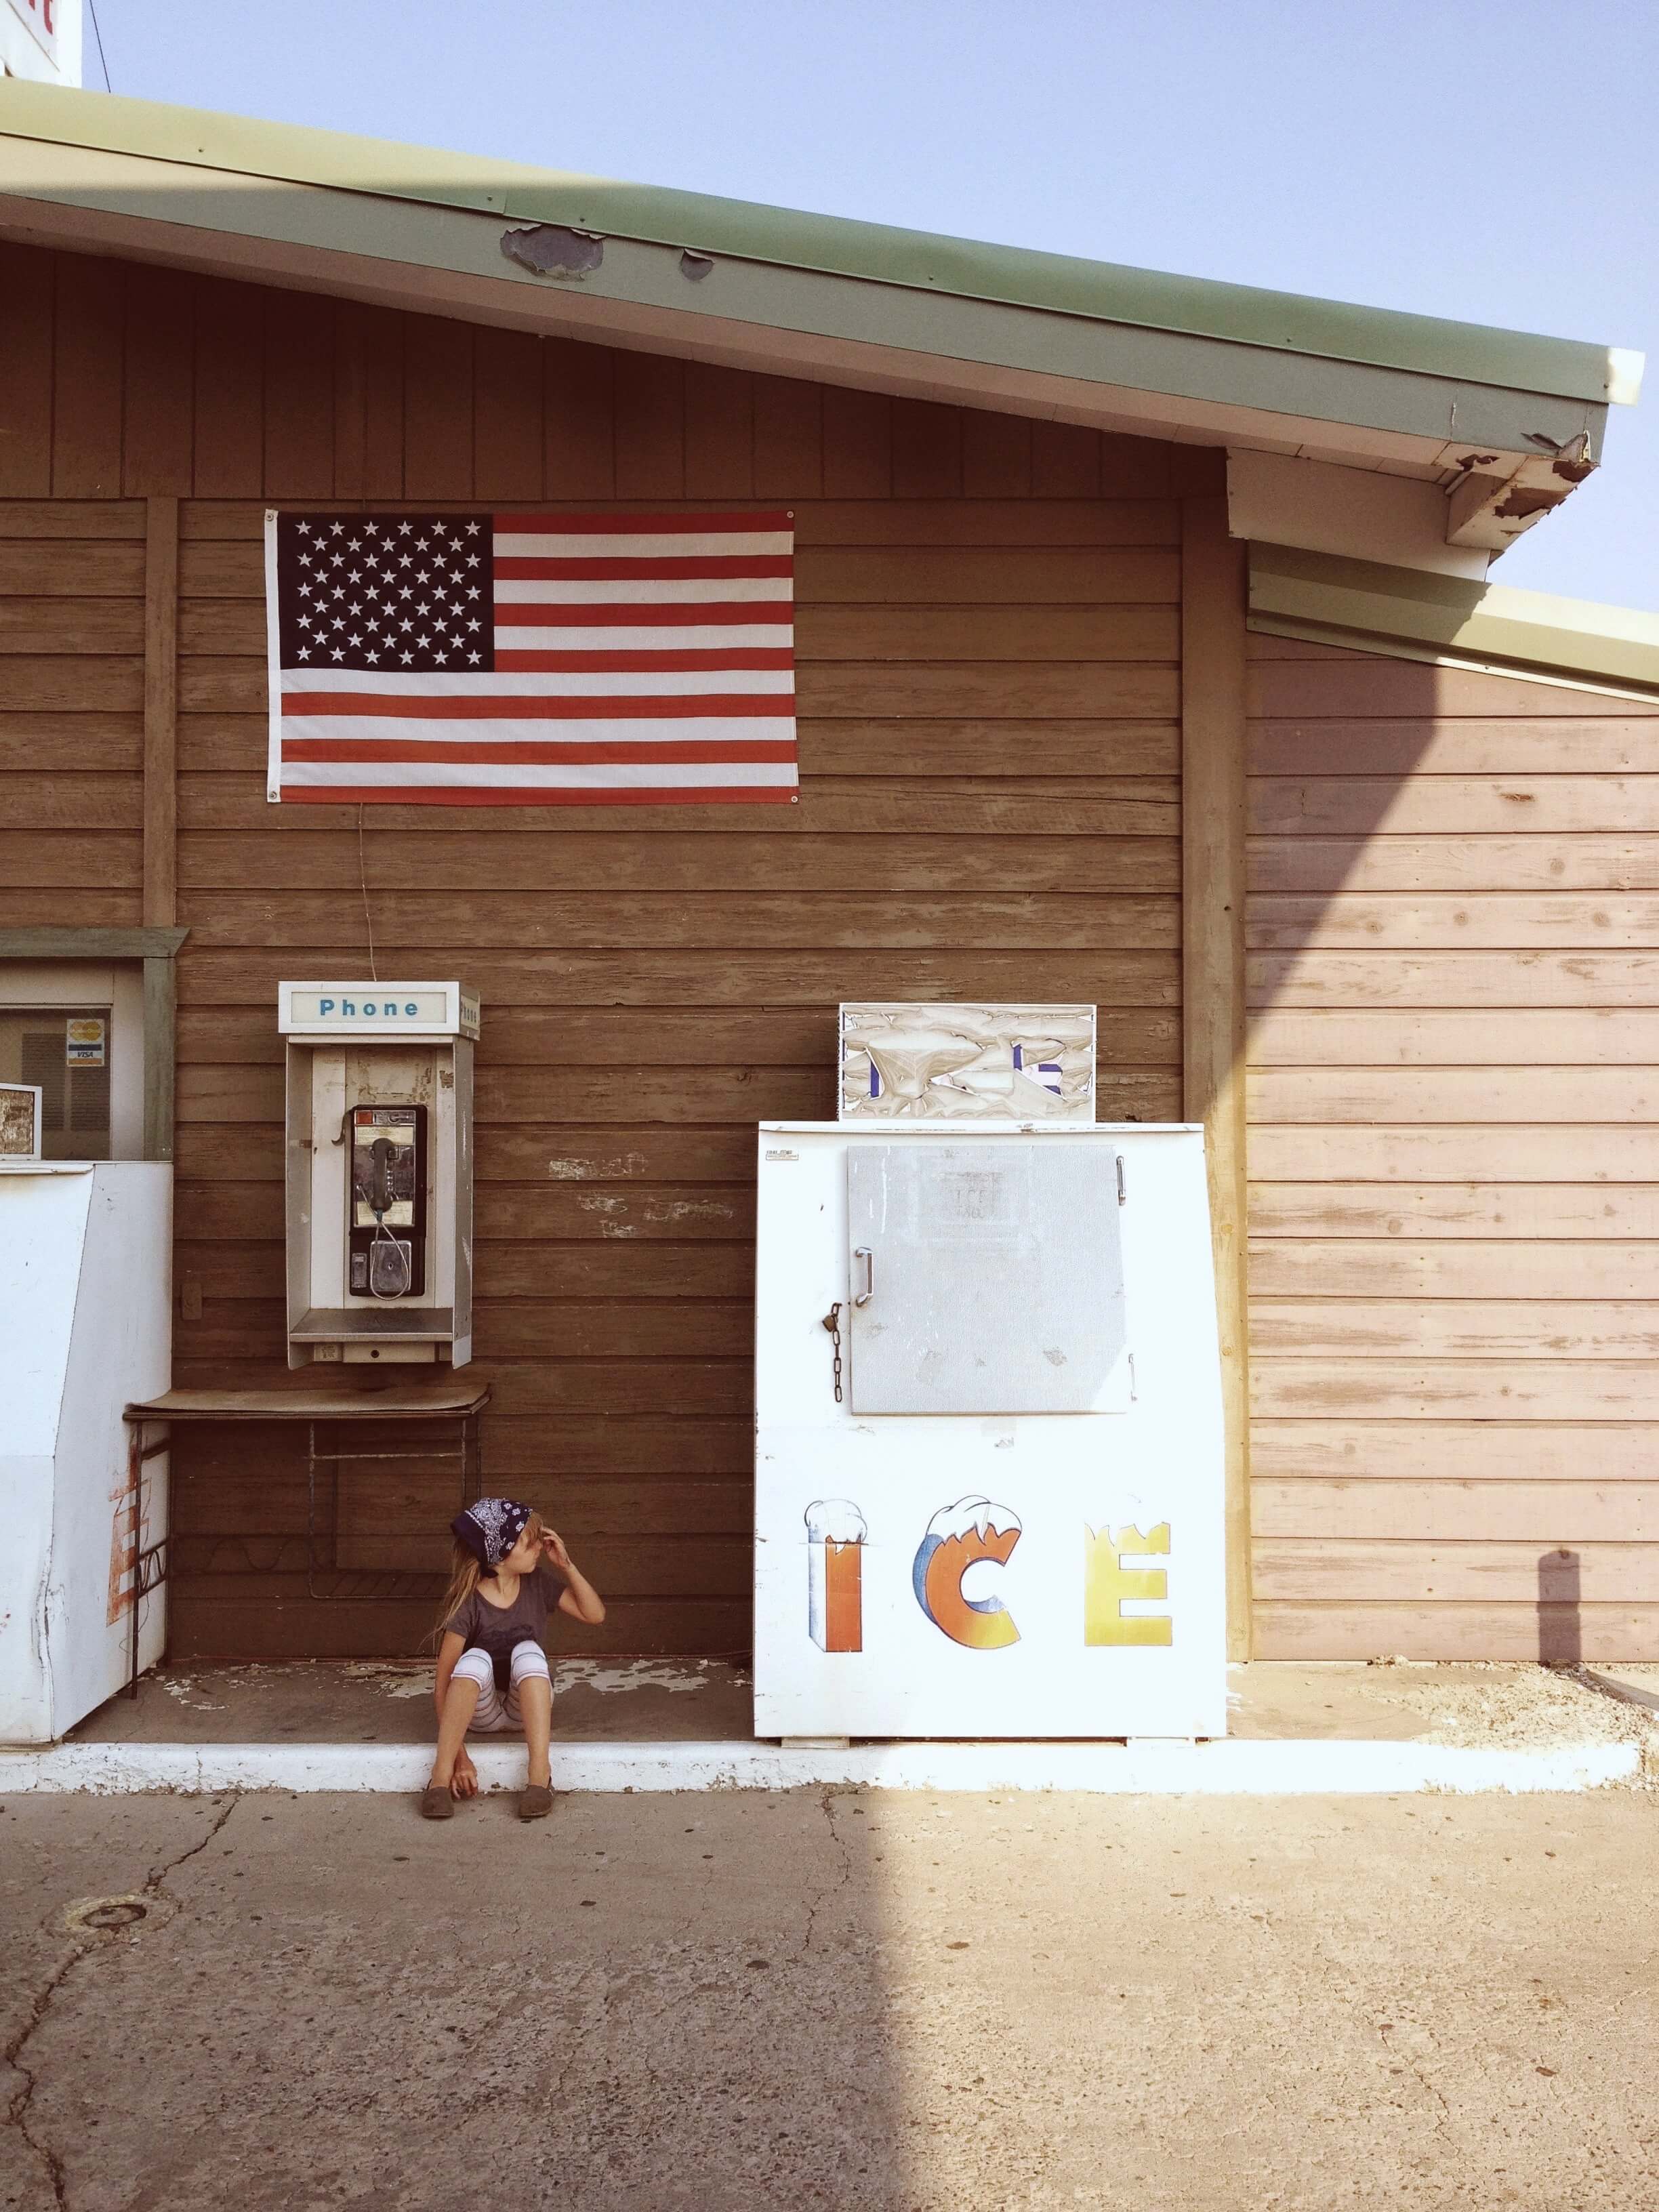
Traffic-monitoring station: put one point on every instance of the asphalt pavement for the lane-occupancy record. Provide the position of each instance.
(844, 1999)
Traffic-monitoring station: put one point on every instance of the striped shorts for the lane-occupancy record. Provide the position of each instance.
(496, 1713)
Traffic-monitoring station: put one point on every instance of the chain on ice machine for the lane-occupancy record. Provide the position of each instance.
(989, 1464)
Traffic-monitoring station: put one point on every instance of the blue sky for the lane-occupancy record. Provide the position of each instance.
(1492, 161)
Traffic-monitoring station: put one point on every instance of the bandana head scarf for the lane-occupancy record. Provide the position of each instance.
(490, 1527)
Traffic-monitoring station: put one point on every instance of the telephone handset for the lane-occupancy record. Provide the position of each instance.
(380, 1195)
(387, 1201)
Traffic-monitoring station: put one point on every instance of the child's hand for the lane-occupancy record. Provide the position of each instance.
(464, 1783)
(553, 1546)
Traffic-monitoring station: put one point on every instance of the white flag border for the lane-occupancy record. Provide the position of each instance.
(273, 666)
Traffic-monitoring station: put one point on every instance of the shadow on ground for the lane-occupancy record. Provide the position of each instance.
(881, 2001)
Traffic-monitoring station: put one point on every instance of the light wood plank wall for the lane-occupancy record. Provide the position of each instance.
(1454, 1149)
(988, 641)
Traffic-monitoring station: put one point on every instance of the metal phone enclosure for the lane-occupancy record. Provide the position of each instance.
(378, 1171)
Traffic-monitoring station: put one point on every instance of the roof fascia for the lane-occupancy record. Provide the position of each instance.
(1366, 606)
(832, 245)
(447, 257)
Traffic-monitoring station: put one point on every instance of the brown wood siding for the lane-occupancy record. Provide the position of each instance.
(989, 645)
(1454, 1145)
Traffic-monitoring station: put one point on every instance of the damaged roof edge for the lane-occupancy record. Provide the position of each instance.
(831, 244)
(1365, 606)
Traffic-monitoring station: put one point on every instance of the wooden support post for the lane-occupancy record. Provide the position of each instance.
(161, 896)
(1212, 710)
(161, 1020)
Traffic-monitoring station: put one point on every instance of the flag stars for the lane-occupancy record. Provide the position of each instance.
(402, 591)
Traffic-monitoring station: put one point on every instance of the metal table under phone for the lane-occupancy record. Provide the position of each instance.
(455, 1407)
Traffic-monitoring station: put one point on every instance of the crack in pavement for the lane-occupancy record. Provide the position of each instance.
(17, 2111)
(827, 1807)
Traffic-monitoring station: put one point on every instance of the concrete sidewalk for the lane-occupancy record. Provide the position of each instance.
(665, 1724)
(753, 2003)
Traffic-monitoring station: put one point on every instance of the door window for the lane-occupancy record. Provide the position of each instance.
(67, 1053)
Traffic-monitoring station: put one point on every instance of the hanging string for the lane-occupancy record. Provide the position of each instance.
(363, 877)
(98, 34)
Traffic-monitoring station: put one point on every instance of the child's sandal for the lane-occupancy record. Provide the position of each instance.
(436, 1802)
(535, 1802)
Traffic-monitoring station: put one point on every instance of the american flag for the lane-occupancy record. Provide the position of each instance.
(531, 659)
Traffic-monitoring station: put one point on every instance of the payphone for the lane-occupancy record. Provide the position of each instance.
(388, 1193)
(379, 1170)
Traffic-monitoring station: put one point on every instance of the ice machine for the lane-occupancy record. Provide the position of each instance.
(990, 1466)
(85, 1330)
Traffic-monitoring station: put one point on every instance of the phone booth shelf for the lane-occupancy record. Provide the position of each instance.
(378, 1171)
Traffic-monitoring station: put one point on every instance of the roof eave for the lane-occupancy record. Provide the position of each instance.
(1365, 606)
(827, 245)
(449, 260)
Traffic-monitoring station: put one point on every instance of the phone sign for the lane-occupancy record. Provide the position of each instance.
(429, 1008)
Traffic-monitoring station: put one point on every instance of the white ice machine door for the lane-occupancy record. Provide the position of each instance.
(986, 1279)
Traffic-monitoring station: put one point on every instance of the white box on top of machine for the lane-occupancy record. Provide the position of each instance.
(989, 1467)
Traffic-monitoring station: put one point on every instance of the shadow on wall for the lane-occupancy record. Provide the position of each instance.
(1560, 1625)
(1450, 1134)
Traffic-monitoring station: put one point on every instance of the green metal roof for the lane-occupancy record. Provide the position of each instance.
(874, 253)
(1366, 606)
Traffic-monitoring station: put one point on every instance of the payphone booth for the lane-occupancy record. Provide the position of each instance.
(378, 1171)
(989, 1467)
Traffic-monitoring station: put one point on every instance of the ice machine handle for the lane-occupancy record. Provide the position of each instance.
(863, 1252)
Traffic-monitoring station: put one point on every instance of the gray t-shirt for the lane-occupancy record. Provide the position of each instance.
(495, 1629)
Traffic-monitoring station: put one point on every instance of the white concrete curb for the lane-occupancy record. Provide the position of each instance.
(1229, 1769)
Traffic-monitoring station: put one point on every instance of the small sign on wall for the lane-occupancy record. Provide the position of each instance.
(42, 40)
(915, 1061)
(86, 1040)
(40, 17)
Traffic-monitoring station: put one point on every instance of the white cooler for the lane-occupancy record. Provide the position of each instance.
(85, 1330)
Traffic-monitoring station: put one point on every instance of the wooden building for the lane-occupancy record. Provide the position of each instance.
(1145, 658)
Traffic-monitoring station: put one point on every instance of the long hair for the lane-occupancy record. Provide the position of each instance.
(467, 1571)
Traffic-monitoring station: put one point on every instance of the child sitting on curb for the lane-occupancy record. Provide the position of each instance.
(511, 1571)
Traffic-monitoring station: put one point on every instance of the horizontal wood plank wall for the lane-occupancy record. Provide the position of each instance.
(1454, 1143)
(989, 677)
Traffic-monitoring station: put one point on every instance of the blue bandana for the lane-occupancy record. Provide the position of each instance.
(490, 1527)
